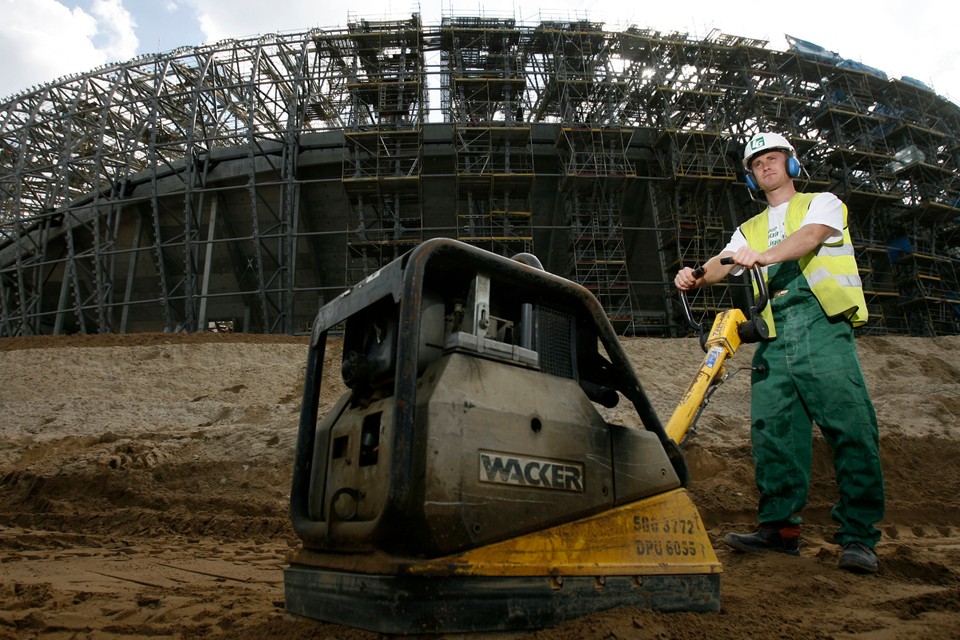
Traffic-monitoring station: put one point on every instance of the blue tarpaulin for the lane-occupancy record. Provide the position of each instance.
(859, 66)
(916, 83)
(811, 50)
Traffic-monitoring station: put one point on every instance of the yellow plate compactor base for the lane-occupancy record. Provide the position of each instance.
(653, 554)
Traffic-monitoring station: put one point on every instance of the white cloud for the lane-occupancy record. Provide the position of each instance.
(246, 18)
(118, 29)
(42, 40)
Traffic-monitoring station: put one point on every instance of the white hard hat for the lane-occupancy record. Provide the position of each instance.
(766, 142)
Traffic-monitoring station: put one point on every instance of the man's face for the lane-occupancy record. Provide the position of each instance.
(770, 169)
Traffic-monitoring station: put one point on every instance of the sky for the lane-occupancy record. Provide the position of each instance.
(42, 40)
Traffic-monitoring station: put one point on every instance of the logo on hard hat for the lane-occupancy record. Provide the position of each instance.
(766, 142)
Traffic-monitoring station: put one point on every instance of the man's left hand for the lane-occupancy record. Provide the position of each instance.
(748, 258)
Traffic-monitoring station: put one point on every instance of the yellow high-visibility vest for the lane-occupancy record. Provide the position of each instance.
(831, 269)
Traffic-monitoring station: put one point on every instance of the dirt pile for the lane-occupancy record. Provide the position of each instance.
(144, 483)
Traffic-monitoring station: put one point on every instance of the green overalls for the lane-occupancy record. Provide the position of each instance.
(811, 373)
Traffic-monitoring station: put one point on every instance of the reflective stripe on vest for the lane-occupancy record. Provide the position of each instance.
(817, 276)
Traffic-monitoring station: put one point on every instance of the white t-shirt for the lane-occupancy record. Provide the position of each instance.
(825, 208)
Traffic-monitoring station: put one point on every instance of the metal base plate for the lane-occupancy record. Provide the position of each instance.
(652, 554)
(464, 604)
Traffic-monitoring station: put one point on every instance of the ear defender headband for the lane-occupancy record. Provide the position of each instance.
(793, 170)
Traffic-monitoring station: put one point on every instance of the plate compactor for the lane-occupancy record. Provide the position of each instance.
(467, 480)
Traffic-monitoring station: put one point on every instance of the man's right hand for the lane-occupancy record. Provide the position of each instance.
(688, 278)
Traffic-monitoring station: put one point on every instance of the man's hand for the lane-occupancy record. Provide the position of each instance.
(688, 278)
(747, 257)
(711, 272)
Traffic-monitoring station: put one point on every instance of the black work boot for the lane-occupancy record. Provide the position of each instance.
(782, 538)
(858, 558)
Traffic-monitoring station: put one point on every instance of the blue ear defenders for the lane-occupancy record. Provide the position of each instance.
(793, 170)
(793, 167)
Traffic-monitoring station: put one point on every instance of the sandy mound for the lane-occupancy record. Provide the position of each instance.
(144, 483)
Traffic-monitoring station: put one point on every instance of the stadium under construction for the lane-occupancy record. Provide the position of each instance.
(239, 185)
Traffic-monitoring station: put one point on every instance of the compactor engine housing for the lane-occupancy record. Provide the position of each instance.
(470, 420)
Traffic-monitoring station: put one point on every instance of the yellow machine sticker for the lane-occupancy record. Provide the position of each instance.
(669, 537)
(660, 535)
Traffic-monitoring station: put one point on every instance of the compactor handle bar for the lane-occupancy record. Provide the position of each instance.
(731, 328)
(759, 303)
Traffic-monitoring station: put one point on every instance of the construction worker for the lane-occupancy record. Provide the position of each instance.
(809, 370)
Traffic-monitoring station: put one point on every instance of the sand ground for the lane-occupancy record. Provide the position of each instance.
(144, 482)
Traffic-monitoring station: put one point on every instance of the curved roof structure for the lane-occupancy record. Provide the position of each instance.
(242, 183)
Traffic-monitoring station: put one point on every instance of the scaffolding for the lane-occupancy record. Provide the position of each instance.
(382, 143)
(484, 88)
(595, 171)
(240, 183)
(494, 181)
(572, 79)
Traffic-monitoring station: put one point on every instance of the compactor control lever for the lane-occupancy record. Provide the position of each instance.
(731, 328)
(753, 328)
